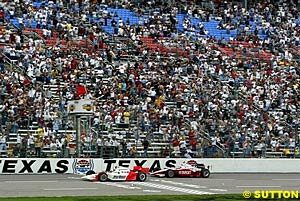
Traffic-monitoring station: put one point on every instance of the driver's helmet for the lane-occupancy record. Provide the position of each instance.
(192, 163)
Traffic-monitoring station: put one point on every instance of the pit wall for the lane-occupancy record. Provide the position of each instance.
(82, 165)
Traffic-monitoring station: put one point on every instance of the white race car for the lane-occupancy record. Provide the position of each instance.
(186, 169)
(138, 173)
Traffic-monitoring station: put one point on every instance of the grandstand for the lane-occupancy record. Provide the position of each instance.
(215, 76)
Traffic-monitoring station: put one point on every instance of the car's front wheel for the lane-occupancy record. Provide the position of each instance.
(170, 174)
(205, 173)
(102, 177)
(141, 176)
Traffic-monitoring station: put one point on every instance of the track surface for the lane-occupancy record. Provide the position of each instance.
(72, 185)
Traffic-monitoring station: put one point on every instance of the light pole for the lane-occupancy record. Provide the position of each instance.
(296, 133)
(137, 128)
(78, 140)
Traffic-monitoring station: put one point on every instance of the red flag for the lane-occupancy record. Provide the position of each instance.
(81, 90)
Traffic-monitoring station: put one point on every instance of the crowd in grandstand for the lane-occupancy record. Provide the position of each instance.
(239, 101)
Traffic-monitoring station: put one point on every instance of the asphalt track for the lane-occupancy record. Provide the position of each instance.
(72, 185)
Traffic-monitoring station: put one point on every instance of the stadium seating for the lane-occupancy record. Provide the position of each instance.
(161, 50)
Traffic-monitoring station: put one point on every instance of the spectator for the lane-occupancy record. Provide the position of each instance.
(38, 146)
(124, 148)
(30, 144)
(182, 145)
(3, 146)
(146, 145)
(175, 143)
(132, 152)
(260, 149)
(187, 154)
(287, 153)
(246, 148)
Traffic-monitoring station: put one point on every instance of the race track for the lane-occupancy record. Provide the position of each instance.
(72, 185)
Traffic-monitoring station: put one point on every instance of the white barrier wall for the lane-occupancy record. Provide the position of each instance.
(253, 165)
(82, 165)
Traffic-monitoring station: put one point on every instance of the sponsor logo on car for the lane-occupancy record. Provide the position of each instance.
(185, 172)
(119, 177)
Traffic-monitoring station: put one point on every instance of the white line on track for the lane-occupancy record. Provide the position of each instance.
(173, 188)
(154, 179)
(28, 181)
(76, 178)
(183, 184)
(131, 186)
(286, 179)
(222, 179)
(258, 186)
(216, 189)
(152, 191)
(68, 189)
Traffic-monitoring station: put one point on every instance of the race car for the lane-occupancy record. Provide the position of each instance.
(138, 173)
(186, 169)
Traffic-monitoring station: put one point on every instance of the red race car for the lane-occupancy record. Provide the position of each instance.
(119, 174)
(186, 169)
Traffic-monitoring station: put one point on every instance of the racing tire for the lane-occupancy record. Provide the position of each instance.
(90, 172)
(205, 173)
(141, 176)
(170, 174)
(102, 177)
